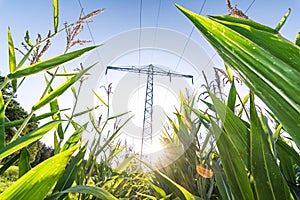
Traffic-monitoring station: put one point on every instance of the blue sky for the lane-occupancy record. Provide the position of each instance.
(121, 16)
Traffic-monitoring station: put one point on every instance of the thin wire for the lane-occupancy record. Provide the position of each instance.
(140, 30)
(185, 46)
(155, 33)
(215, 52)
(189, 38)
(250, 6)
(92, 37)
(140, 36)
(89, 29)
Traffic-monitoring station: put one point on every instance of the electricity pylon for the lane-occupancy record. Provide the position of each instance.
(150, 71)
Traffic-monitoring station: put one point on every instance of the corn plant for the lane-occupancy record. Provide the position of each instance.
(49, 176)
(258, 162)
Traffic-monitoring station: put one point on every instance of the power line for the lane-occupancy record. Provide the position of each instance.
(156, 26)
(188, 40)
(140, 30)
(251, 4)
(89, 29)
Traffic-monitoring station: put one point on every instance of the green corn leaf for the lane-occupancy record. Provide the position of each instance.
(84, 189)
(37, 182)
(260, 57)
(24, 165)
(26, 139)
(231, 19)
(233, 165)
(232, 97)
(287, 165)
(12, 58)
(70, 173)
(100, 98)
(243, 103)
(48, 64)
(124, 164)
(237, 131)
(11, 124)
(298, 39)
(283, 20)
(55, 15)
(2, 121)
(158, 190)
(221, 181)
(27, 39)
(59, 90)
(54, 107)
(268, 180)
(9, 163)
(74, 138)
(146, 196)
(179, 191)
(281, 145)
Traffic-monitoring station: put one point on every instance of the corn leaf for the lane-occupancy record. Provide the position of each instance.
(268, 180)
(12, 58)
(267, 62)
(36, 183)
(26, 139)
(236, 130)
(48, 64)
(59, 90)
(100, 98)
(283, 20)
(55, 15)
(221, 181)
(24, 165)
(179, 191)
(233, 165)
(54, 107)
(11, 124)
(232, 97)
(2, 121)
(298, 39)
(84, 189)
(74, 138)
(70, 173)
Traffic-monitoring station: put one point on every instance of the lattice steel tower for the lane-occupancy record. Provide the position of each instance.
(150, 71)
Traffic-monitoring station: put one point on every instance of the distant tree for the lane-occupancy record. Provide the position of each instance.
(14, 111)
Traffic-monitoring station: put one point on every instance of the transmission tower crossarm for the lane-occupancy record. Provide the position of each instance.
(145, 70)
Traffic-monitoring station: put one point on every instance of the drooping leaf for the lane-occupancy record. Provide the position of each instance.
(259, 54)
(268, 180)
(55, 15)
(12, 58)
(298, 39)
(48, 64)
(37, 182)
(59, 90)
(27, 139)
